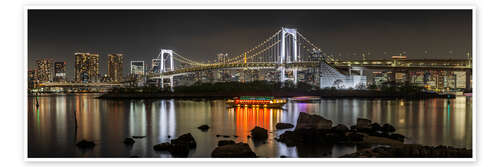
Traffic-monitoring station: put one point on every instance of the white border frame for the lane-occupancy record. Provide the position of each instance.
(312, 7)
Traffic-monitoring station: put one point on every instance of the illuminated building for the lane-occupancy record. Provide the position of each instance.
(115, 67)
(60, 71)
(44, 70)
(332, 77)
(32, 78)
(86, 67)
(155, 65)
(137, 68)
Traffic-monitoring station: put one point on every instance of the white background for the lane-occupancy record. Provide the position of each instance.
(12, 80)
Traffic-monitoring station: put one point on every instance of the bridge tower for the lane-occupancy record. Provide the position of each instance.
(163, 59)
(292, 50)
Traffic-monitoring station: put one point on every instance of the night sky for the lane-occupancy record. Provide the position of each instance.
(201, 34)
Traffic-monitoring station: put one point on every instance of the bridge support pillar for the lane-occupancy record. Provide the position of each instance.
(172, 83)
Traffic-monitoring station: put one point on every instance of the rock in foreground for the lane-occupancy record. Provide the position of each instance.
(84, 144)
(362, 123)
(179, 147)
(284, 125)
(239, 150)
(310, 121)
(128, 141)
(204, 128)
(259, 133)
(412, 151)
(225, 142)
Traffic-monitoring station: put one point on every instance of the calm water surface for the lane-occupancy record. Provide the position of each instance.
(51, 127)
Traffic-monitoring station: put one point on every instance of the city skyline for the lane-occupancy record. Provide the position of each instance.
(139, 35)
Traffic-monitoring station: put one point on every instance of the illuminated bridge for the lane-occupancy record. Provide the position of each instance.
(288, 50)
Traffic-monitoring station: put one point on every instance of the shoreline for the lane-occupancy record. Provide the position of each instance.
(326, 95)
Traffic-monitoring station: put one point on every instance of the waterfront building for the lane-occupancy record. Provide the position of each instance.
(32, 79)
(332, 77)
(60, 71)
(137, 68)
(44, 70)
(155, 65)
(115, 68)
(86, 67)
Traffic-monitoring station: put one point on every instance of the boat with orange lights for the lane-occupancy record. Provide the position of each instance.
(256, 101)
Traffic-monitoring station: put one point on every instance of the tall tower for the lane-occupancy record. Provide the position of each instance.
(86, 67)
(44, 70)
(60, 71)
(288, 54)
(115, 67)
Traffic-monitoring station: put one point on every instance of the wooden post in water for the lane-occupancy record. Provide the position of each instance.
(76, 125)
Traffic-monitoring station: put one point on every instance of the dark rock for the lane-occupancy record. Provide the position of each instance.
(375, 127)
(290, 138)
(169, 136)
(217, 135)
(282, 156)
(225, 142)
(284, 125)
(235, 136)
(187, 139)
(84, 144)
(340, 128)
(353, 128)
(179, 147)
(239, 150)
(309, 121)
(388, 128)
(138, 137)
(398, 137)
(259, 133)
(128, 141)
(355, 137)
(162, 146)
(362, 123)
(225, 136)
(204, 128)
(177, 150)
(413, 151)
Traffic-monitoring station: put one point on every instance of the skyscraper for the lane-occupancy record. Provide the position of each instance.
(60, 71)
(155, 65)
(44, 70)
(86, 67)
(137, 68)
(115, 67)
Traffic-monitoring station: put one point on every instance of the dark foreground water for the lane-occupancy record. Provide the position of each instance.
(51, 129)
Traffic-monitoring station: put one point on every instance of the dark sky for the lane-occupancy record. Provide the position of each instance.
(201, 34)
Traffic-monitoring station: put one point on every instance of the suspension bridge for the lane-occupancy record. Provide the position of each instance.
(285, 50)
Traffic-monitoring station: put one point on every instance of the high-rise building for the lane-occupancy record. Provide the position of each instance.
(155, 65)
(32, 78)
(137, 67)
(60, 71)
(115, 68)
(86, 67)
(44, 70)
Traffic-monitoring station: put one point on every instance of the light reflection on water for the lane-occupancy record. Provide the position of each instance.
(51, 130)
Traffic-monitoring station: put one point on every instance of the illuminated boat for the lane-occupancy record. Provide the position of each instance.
(259, 101)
